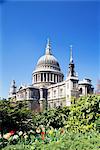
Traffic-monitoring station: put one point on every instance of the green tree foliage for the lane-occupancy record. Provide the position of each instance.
(14, 115)
(54, 117)
(80, 121)
(84, 114)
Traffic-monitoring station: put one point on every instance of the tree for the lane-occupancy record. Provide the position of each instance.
(84, 112)
(14, 115)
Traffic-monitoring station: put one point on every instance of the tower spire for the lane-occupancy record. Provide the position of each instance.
(48, 47)
(71, 64)
(71, 54)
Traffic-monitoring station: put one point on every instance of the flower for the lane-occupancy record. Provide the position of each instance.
(62, 131)
(26, 136)
(43, 129)
(15, 137)
(12, 132)
(20, 133)
(7, 136)
(50, 132)
(42, 133)
(43, 137)
(38, 130)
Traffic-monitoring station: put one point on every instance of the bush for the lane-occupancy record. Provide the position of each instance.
(71, 128)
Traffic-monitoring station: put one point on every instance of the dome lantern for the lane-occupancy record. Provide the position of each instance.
(48, 47)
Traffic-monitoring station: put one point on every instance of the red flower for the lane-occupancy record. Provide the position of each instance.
(43, 137)
(42, 133)
(12, 132)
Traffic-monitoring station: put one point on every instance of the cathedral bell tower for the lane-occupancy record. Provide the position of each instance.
(71, 64)
(71, 81)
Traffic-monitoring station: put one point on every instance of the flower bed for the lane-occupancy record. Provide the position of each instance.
(51, 139)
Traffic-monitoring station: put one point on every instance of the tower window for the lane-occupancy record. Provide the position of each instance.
(54, 93)
(74, 85)
(80, 90)
(61, 91)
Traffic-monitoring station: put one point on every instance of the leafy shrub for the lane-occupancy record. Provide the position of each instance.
(84, 113)
(55, 117)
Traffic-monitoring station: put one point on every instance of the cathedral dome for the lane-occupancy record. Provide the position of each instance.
(48, 62)
(49, 67)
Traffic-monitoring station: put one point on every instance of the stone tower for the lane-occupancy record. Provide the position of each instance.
(12, 92)
(71, 81)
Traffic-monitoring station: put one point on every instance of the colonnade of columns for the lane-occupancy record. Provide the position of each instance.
(47, 77)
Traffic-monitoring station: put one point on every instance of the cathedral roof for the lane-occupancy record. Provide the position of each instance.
(48, 61)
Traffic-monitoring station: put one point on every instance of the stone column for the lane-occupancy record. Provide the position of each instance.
(41, 99)
(37, 77)
(49, 77)
(40, 77)
(43, 77)
(34, 79)
(56, 78)
(53, 77)
(46, 77)
(28, 94)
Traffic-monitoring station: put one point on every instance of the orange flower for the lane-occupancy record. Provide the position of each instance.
(7, 136)
(43, 137)
(62, 131)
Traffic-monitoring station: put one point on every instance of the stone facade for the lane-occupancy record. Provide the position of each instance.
(49, 89)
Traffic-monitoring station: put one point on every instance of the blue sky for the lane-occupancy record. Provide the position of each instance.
(26, 25)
